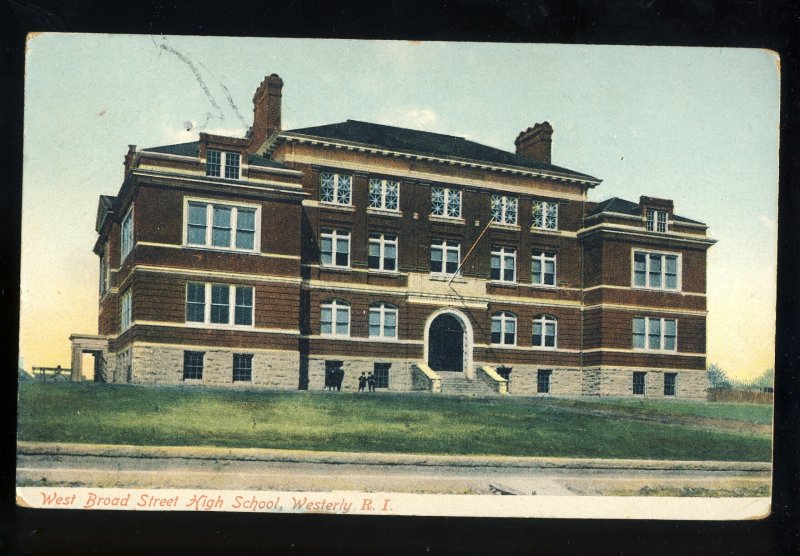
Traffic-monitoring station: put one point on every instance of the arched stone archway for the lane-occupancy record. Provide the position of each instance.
(448, 342)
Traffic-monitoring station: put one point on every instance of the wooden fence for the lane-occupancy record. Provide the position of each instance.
(739, 396)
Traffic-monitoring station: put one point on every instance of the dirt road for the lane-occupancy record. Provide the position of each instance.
(445, 476)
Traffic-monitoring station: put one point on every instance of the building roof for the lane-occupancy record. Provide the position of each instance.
(621, 206)
(428, 143)
(105, 205)
(193, 149)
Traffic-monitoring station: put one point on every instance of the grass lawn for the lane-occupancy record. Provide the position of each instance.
(379, 422)
(750, 413)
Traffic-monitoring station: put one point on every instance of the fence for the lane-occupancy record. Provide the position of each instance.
(739, 396)
(52, 374)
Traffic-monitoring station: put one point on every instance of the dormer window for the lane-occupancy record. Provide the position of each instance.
(223, 164)
(657, 221)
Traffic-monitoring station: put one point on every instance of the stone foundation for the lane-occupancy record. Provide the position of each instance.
(400, 375)
(689, 385)
(563, 381)
(155, 364)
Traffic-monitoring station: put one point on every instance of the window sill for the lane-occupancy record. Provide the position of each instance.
(545, 348)
(457, 278)
(384, 212)
(214, 326)
(547, 231)
(336, 206)
(544, 286)
(504, 226)
(502, 284)
(212, 249)
(339, 269)
(447, 219)
(335, 336)
(659, 290)
(646, 351)
(384, 273)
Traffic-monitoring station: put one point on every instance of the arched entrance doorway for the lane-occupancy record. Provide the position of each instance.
(448, 342)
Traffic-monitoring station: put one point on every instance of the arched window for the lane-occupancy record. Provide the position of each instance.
(383, 321)
(544, 331)
(504, 328)
(335, 318)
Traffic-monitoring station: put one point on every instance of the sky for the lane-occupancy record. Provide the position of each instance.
(696, 125)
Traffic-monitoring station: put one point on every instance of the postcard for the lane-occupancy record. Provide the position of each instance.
(397, 278)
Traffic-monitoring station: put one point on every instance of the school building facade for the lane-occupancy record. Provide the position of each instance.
(427, 259)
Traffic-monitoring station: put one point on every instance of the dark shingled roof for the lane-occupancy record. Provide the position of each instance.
(193, 149)
(615, 204)
(427, 143)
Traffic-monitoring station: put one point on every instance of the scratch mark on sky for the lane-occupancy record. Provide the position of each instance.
(198, 76)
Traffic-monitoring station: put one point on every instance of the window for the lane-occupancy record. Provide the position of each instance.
(504, 329)
(657, 221)
(383, 321)
(545, 215)
(219, 304)
(193, 365)
(125, 311)
(543, 268)
(335, 248)
(232, 227)
(639, 383)
(445, 202)
(220, 163)
(669, 383)
(654, 333)
(335, 188)
(103, 274)
(382, 252)
(543, 381)
(384, 194)
(503, 265)
(504, 209)
(335, 318)
(445, 257)
(242, 367)
(381, 372)
(655, 270)
(544, 331)
(126, 235)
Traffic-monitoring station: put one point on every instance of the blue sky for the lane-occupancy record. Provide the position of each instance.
(699, 126)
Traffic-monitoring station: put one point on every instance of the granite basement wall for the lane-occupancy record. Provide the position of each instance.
(154, 364)
(400, 375)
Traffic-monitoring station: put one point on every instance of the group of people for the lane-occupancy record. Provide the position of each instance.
(366, 381)
(333, 379)
(334, 376)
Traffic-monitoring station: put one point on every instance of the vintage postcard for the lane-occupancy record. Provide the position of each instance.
(397, 278)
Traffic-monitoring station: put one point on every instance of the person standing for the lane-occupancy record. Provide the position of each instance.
(362, 382)
(371, 382)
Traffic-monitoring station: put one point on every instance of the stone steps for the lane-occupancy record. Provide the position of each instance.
(455, 384)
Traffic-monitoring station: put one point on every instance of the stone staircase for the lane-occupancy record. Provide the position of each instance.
(455, 384)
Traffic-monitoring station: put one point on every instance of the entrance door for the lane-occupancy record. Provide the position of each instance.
(446, 344)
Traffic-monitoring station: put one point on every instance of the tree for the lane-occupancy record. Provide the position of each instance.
(765, 380)
(717, 377)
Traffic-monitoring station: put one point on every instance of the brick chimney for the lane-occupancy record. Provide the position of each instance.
(535, 142)
(266, 109)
